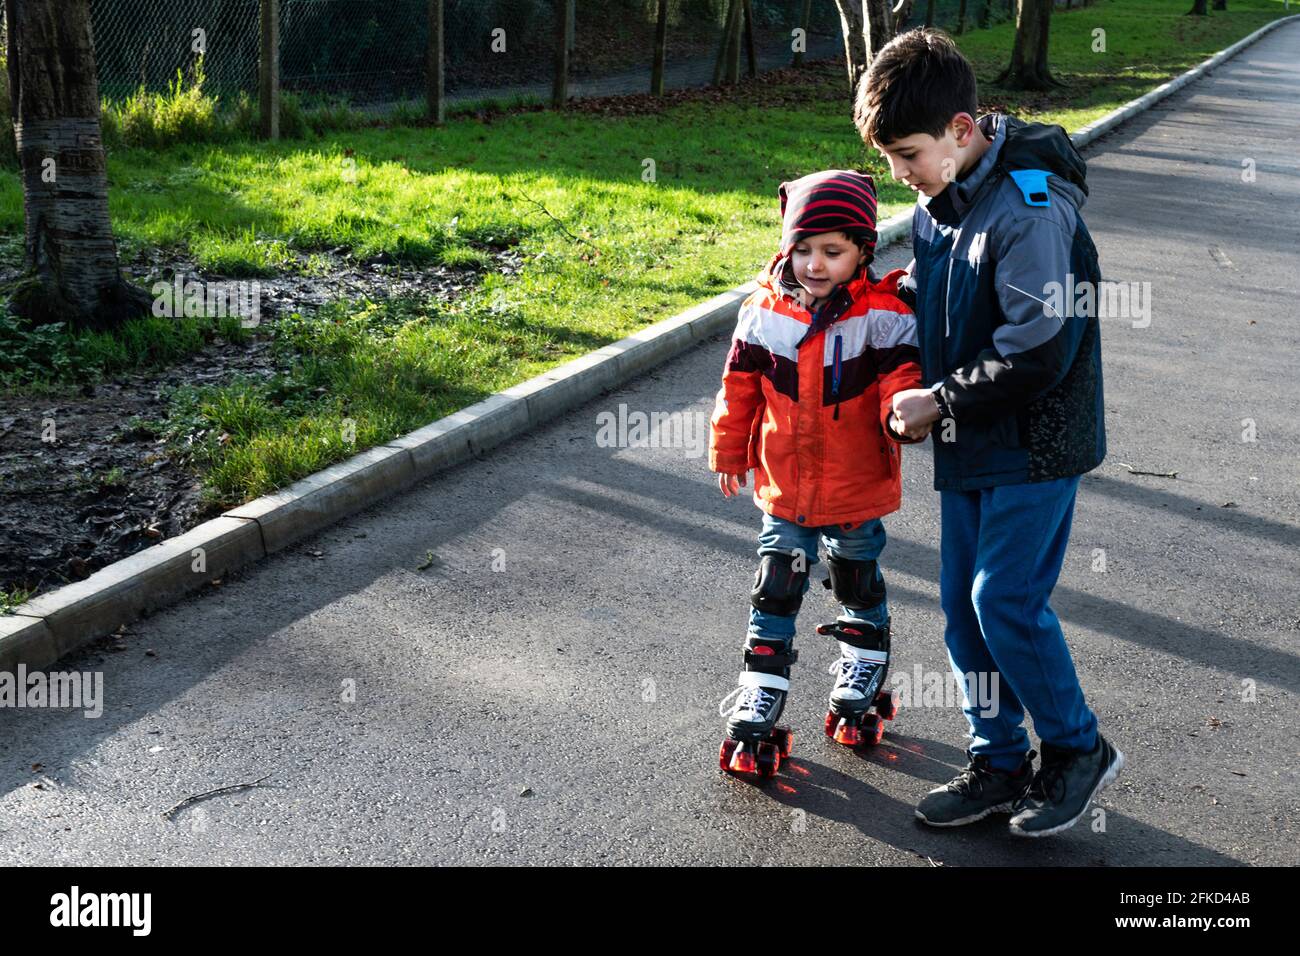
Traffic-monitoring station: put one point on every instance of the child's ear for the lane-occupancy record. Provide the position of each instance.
(963, 129)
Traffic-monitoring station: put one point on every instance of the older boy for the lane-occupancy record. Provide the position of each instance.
(1015, 400)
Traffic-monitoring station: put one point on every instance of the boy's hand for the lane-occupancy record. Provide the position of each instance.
(916, 410)
(731, 484)
(915, 434)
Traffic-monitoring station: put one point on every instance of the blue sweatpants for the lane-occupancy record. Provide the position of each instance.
(1000, 555)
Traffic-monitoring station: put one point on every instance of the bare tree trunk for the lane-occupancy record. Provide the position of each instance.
(852, 25)
(435, 66)
(71, 257)
(268, 69)
(1198, 9)
(1028, 69)
(560, 80)
(867, 26)
(727, 68)
(961, 18)
(929, 13)
(661, 50)
(751, 52)
(803, 23)
(984, 14)
(880, 25)
(734, 45)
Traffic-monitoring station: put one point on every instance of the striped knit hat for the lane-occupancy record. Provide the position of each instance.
(831, 200)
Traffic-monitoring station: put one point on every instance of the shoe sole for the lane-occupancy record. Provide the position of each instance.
(988, 811)
(1112, 772)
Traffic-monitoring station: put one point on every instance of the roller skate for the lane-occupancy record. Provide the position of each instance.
(859, 704)
(754, 744)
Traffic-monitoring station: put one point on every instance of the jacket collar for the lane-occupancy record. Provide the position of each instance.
(951, 205)
(778, 278)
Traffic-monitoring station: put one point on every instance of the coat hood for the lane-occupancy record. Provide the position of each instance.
(1016, 145)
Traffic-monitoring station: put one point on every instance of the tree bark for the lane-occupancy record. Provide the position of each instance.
(961, 18)
(661, 50)
(1028, 69)
(727, 68)
(751, 51)
(560, 75)
(1198, 9)
(867, 26)
(855, 41)
(71, 257)
(803, 22)
(435, 66)
(880, 25)
(268, 69)
(929, 13)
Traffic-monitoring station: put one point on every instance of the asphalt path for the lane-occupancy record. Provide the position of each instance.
(545, 690)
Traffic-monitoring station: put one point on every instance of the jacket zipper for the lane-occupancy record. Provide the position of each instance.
(947, 291)
(835, 378)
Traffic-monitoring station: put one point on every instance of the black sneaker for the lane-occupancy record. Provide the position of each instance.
(975, 793)
(1066, 783)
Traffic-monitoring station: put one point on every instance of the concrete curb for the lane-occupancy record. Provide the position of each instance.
(54, 624)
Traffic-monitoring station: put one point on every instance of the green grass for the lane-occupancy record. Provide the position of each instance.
(604, 252)
(10, 600)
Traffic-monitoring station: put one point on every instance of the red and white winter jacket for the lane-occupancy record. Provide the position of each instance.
(805, 400)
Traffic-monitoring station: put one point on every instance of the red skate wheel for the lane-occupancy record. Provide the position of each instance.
(831, 721)
(742, 761)
(783, 739)
(724, 754)
(850, 735)
(887, 705)
(768, 760)
(873, 729)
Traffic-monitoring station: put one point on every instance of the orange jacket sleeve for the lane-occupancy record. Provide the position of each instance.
(898, 355)
(736, 409)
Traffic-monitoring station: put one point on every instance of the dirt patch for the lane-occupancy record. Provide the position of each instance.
(791, 86)
(82, 484)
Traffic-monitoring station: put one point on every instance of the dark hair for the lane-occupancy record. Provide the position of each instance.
(864, 240)
(916, 84)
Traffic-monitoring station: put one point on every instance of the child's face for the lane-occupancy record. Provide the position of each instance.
(823, 261)
(928, 164)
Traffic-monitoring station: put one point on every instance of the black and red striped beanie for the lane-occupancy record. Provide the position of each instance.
(831, 200)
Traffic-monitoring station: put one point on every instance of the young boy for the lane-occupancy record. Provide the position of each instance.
(820, 350)
(1014, 393)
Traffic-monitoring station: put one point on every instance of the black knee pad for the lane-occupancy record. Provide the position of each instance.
(854, 583)
(778, 587)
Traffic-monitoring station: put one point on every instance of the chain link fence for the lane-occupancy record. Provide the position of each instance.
(370, 53)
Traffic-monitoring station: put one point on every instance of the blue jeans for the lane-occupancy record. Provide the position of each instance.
(858, 542)
(1000, 555)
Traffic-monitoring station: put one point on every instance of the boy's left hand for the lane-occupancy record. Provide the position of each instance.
(917, 410)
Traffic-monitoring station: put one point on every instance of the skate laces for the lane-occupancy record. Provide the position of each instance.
(757, 699)
(852, 672)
